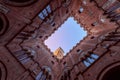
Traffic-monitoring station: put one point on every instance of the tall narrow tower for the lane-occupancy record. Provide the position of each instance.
(59, 53)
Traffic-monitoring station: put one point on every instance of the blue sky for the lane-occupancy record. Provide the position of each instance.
(67, 36)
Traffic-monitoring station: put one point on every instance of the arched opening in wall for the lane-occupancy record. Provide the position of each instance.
(3, 24)
(3, 71)
(112, 74)
(0, 74)
(66, 74)
(44, 74)
(19, 2)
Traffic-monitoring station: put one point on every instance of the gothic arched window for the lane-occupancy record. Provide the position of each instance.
(24, 55)
(45, 15)
(90, 59)
(66, 74)
(66, 3)
(45, 12)
(44, 74)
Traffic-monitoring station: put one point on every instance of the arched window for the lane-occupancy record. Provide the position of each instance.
(26, 35)
(66, 3)
(45, 12)
(45, 74)
(46, 15)
(112, 36)
(79, 51)
(66, 74)
(90, 59)
(81, 9)
(25, 55)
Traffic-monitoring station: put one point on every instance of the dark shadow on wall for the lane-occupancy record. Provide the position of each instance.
(112, 74)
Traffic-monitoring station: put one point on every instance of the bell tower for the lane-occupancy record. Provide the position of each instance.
(59, 53)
